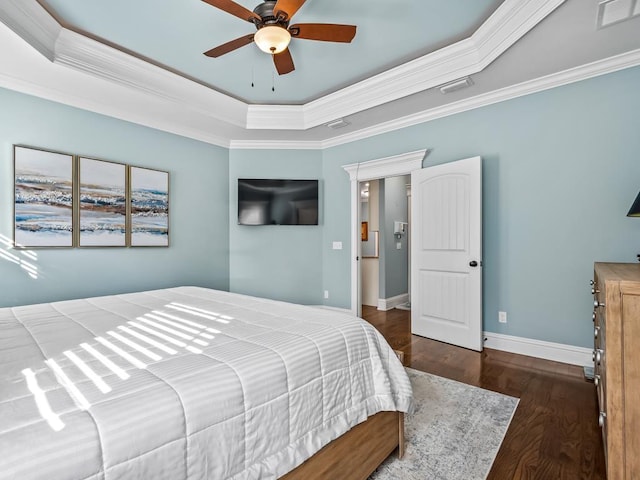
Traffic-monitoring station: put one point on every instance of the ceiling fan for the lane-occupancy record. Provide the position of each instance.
(272, 18)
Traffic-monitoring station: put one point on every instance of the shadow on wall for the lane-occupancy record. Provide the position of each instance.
(26, 259)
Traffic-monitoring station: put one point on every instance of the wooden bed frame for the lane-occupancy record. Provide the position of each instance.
(356, 454)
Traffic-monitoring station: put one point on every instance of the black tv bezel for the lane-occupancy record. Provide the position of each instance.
(317, 198)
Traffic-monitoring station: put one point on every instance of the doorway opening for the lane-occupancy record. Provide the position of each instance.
(395, 166)
(385, 243)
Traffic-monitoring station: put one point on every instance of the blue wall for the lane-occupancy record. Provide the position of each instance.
(561, 169)
(199, 206)
(336, 271)
(395, 274)
(283, 262)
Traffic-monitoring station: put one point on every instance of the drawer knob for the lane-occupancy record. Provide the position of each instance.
(593, 317)
(596, 331)
(597, 355)
(596, 380)
(594, 291)
(597, 304)
(592, 283)
(602, 418)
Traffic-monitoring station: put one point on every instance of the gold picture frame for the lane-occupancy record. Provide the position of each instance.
(102, 205)
(43, 198)
(148, 208)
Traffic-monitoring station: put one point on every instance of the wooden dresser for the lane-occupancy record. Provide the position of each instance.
(616, 314)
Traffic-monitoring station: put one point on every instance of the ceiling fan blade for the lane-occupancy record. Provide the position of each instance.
(229, 46)
(233, 8)
(325, 32)
(284, 62)
(287, 8)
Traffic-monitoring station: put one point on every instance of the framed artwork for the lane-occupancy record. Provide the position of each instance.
(43, 198)
(364, 231)
(149, 194)
(103, 205)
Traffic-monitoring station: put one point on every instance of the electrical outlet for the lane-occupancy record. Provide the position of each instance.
(326, 294)
(502, 317)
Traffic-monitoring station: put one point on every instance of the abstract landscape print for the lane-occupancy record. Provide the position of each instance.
(149, 207)
(43, 198)
(103, 204)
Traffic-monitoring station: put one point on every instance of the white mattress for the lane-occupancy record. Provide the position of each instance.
(232, 387)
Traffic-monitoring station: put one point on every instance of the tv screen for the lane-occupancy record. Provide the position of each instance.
(277, 202)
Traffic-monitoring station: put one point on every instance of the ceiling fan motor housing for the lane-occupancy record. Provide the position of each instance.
(266, 13)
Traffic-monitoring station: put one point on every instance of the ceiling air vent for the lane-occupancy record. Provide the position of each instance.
(456, 85)
(616, 11)
(336, 124)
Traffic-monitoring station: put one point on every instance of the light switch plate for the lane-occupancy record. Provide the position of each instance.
(337, 245)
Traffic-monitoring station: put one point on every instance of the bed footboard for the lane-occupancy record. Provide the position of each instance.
(357, 453)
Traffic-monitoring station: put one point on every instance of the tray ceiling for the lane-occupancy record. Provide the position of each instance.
(111, 60)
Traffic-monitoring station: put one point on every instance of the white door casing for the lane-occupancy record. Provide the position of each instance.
(446, 296)
(402, 164)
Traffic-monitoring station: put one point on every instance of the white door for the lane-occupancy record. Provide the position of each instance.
(446, 278)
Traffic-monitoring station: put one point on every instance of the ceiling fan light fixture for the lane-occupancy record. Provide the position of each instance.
(272, 39)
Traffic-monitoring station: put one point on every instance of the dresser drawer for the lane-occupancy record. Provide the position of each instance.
(616, 322)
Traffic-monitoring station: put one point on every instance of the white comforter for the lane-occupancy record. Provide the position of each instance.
(184, 383)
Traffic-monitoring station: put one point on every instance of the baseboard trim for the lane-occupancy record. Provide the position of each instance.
(556, 352)
(336, 309)
(386, 304)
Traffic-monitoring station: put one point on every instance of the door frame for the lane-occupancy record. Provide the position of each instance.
(393, 166)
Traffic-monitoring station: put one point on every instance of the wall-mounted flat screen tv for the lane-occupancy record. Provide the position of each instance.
(277, 202)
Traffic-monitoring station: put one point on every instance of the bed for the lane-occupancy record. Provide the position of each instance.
(194, 383)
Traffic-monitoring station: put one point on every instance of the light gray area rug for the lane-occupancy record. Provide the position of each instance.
(454, 433)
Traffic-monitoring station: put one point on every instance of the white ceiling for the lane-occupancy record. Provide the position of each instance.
(123, 61)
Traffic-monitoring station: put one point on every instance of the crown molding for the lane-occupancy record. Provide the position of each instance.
(577, 74)
(512, 20)
(116, 110)
(33, 23)
(286, 117)
(275, 145)
(90, 56)
(572, 75)
(508, 24)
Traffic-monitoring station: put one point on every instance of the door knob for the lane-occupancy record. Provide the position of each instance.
(473, 263)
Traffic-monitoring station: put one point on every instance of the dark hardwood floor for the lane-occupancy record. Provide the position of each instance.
(554, 433)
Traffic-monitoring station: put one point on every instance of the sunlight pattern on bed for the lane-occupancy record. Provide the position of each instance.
(159, 385)
(117, 345)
